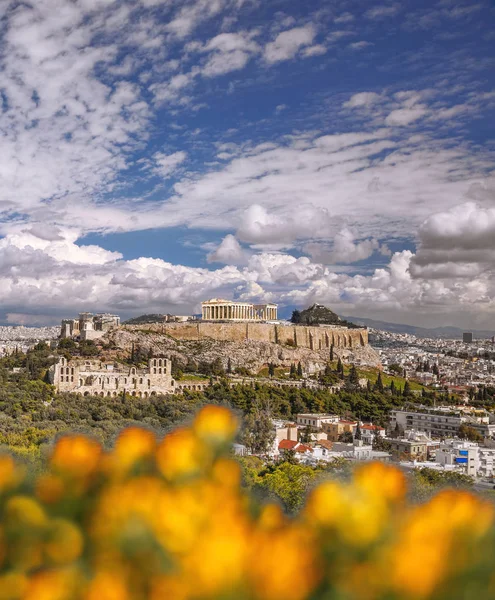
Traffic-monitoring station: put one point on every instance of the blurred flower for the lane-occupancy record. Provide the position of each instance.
(215, 425)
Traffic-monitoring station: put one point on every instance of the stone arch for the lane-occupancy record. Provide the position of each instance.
(86, 393)
(153, 393)
(109, 394)
(145, 394)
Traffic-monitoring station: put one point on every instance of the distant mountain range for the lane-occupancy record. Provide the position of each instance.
(436, 332)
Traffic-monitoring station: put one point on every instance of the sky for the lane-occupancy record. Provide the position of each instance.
(157, 153)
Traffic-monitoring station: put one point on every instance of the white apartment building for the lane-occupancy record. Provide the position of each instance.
(315, 420)
(440, 423)
(467, 457)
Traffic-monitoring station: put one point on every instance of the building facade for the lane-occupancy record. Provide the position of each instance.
(227, 310)
(440, 423)
(88, 326)
(96, 378)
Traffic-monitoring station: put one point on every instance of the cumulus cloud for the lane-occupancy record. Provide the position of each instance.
(258, 226)
(229, 252)
(229, 52)
(456, 243)
(345, 249)
(288, 43)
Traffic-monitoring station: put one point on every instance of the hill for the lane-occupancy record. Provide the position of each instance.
(448, 332)
(145, 319)
(319, 315)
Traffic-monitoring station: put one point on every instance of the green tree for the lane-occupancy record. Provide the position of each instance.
(331, 353)
(289, 483)
(353, 379)
(292, 373)
(407, 389)
(229, 366)
(340, 368)
(358, 434)
(271, 370)
(470, 433)
(346, 437)
(258, 431)
(379, 383)
(296, 316)
(299, 369)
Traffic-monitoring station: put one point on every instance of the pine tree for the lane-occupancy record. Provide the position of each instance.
(271, 370)
(358, 435)
(353, 376)
(299, 369)
(393, 391)
(296, 316)
(340, 368)
(379, 383)
(292, 371)
(407, 389)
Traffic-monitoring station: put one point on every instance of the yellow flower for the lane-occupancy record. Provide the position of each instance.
(107, 586)
(52, 585)
(24, 511)
(10, 474)
(180, 454)
(13, 585)
(215, 424)
(64, 543)
(76, 456)
(382, 481)
(283, 564)
(50, 488)
(132, 445)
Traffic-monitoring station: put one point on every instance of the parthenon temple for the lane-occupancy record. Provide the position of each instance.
(227, 310)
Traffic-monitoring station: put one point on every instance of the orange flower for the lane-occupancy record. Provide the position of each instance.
(132, 445)
(107, 586)
(215, 425)
(76, 456)
(10, 474)
(65, 542)
(180, 454)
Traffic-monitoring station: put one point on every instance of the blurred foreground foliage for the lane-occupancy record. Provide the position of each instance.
(169, 519)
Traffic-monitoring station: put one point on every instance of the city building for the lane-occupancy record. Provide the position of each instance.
(441, 423)
(335, 429)
(405, 449)
(467, 337)
(88, 326)
(315, 420)
(217, 309)
(369, 432)
(96, 378)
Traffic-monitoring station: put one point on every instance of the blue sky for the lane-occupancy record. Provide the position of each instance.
(156, 153)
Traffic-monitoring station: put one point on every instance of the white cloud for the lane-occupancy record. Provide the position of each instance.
(344, 18)
(360, 45)
(362, 99)
(405, 116)
(345, 249)
(382, 11)
(167, 164)
(229, 252)
(229, 52)
(288, 43)
(316, 50)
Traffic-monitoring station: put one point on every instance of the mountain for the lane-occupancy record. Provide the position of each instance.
(319, 315)
(447, 332)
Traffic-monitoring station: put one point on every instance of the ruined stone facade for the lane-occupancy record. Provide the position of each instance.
(96, 378)
(88, 326)
(299, 336)
(228, 310)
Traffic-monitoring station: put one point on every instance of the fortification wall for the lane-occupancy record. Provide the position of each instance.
(315, 338)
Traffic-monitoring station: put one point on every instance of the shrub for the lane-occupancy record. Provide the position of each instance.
(169, 519)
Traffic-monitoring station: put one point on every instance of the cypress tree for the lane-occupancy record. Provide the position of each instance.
(331, 353)
(229, 365)
(379, 383)
(358, 435)
(407, 389)
(271, 370)
(392, 388)
(299, 369)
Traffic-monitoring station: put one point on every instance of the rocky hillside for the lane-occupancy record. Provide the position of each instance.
(319, 315)
(249, 354)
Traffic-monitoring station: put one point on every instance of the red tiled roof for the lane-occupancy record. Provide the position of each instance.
(372, 428)
(347, 423)
(287, 445)
(325, 443)
(303, 448)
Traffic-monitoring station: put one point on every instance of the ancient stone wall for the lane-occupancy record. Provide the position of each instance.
(314, 338)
